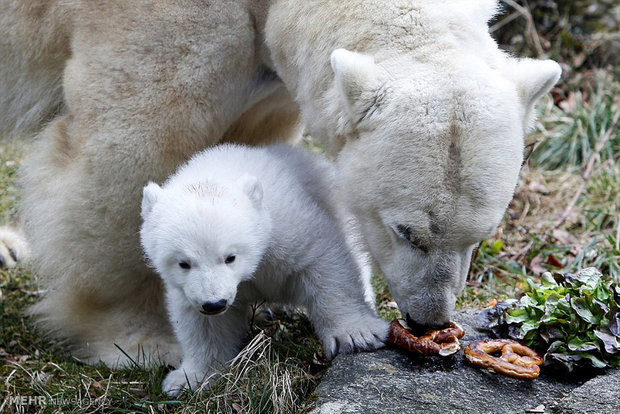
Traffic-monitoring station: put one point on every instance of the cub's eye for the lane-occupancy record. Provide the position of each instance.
(184, 265)
(230, 259)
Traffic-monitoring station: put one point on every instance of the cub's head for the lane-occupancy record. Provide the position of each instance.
(431, 160)
(204, 239)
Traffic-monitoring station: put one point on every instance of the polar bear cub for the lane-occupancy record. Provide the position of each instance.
(238, 225)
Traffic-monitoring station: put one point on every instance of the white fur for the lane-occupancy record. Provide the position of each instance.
(423, 113)
(31, 92)
(426, 119)
(270, 208)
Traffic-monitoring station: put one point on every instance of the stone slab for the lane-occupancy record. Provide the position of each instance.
(391, 381)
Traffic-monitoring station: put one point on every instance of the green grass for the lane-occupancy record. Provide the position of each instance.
(569, 136)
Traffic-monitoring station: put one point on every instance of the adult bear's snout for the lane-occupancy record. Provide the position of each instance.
(419, 329)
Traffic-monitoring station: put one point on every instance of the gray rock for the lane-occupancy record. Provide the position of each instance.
(390, 381)
(599, 395)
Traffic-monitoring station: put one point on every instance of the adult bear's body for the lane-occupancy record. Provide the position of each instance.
(132, 89)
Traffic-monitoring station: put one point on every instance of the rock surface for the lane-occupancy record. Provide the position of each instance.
(390, 381)
(599, 395)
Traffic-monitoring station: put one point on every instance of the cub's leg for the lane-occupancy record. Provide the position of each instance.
(208, 342)
(335, 297)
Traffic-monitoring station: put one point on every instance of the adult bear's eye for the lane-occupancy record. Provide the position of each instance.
(184, 265)
(230, 259)
(406, 233)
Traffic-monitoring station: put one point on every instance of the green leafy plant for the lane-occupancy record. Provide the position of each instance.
(574, 318)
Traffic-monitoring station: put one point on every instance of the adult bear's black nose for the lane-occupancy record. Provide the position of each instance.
(419, 329)
(211, 308)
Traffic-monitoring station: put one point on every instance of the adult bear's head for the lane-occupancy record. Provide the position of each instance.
(431, 160)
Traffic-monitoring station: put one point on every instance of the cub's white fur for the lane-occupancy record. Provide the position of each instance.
(423, 113)
(237, 225)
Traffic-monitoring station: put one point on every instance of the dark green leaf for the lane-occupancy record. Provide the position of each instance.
(600, 307)
(564, 359)
(609, 340)
(517, 315)
(614, 323)
(580, 306)
(575, 316)
(514, 332)
(557, 346)
(548, 280)
(596, 362)
(554, 333)
(578, 344)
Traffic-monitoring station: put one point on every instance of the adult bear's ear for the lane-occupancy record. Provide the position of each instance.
(534, 78)
(150, 195)
(252, 188)
(357, 80)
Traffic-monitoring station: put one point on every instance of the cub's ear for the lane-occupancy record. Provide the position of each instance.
(150, 195)
(252, 188)
(357, 78)
(534, 78)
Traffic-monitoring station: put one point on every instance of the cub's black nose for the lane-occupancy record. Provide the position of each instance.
(211, 308)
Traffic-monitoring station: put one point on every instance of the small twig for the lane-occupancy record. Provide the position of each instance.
(255, 307)
(530, 27)
(503, 22)
(588, 171)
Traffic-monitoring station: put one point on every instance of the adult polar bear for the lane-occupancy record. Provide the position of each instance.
(426, 122)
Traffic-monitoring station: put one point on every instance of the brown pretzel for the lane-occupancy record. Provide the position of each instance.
(517, 360)
(434, 342)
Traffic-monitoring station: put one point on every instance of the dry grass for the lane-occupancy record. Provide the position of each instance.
(274, 373)
(258, 381)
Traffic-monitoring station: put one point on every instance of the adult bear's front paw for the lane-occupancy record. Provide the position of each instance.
(180, 379)
(13, 247)
(363, 334)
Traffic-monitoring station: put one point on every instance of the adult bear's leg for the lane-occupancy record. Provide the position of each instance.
(148, 85)
(274, 119)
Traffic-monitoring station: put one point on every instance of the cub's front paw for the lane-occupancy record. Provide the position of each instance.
(362, 334)
(180, 379)
(13, 247)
